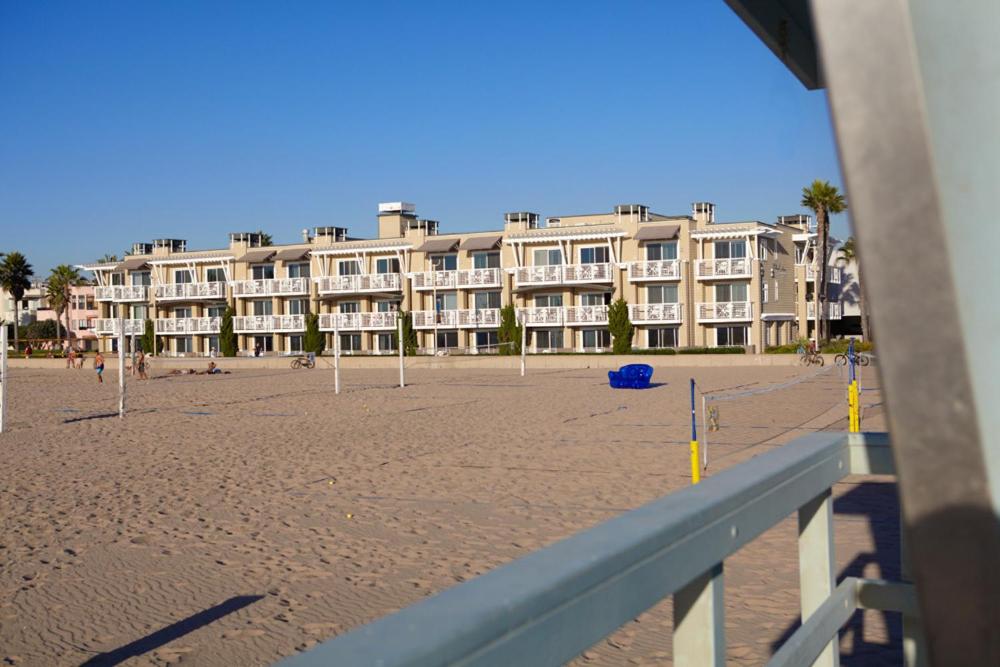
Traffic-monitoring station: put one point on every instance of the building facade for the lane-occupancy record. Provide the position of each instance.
(688, 279)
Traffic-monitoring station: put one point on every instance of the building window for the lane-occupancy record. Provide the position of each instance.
(487, 341)
(182, 276)
(263, 307)
(595, 255)
(549, 339)
(213, 345)
(548, 301)
(262, 271)
(764, 295)
(730, 292)
(350, 307)
(300, 270)
(141, 278)
(776, 290)
(298, 307)
(350, 343)
(596, 339)
(215, 275)
(659, 251)
(595, 299)
(140, 312)
(661, 294)
(547, 256)
(387, 265)
(184, 345)
(731, 336)
(446, 301)
(486, 300)
(662, 337)
(444, 262)
(216, 311)
(730, 249)
(386, 342)
(447, 340)
(295, 343)
(486, 260)
(181, 313)
(386, 306)
(348, 267)
(117, 278)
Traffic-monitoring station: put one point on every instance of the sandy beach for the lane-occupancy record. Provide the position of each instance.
(236, 519)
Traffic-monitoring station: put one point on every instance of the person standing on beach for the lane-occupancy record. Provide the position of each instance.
(71, 358)
(140, 363)
(99, 366)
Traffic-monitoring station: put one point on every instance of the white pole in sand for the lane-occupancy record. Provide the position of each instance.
(399, 344)
(336, 356)
(524, 341)
(704, 431)
(121, 367)
(4, 379)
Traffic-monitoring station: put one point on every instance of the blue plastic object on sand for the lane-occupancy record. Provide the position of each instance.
(631, 376)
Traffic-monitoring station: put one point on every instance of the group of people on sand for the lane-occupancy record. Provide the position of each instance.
(212, 370)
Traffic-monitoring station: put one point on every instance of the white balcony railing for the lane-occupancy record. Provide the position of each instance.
(270, 287)
(108, 326)
(122, 293)
(834, 310)
(367, 282)
(558, 274)
(577, 315)
(543, 316)
(655, 313)
(833, 274)
(269, 323)
(168, 326)
(190, 291)
(664, 269)
(465, 278)
(729, 311)
(378, 320)
(444, 319)
(735, 267)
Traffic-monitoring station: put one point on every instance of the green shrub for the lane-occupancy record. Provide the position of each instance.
(509, 334)
(227, 337)
(658, 350)
(620, 327)
(733, 349)
(315, 340)
(409, 335)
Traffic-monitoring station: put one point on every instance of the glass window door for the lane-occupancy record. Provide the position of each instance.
(730, 292)
(444, 262)
(446, 301)
(661, 294)
(215, 275)
(300, 270)
(350, 307)
(596, 339)
(659, 251)
(263, 307)
(216, 311)
(141, 278)
(180, 313)
(548, 300)
(295, 343)
(663, 337)
(549, 339)
(348, 267)
(730, 249)
(182, 276)
(595, 299)
(484, 300)
(387, 265)
(486, 260)
(386, 306)
(596, 255)
(731, 336)
(547, 256)
(447, 340)
(298, 307)
(262, 271)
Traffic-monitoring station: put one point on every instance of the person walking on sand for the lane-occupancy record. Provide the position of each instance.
(99, 367)
(71, 358)
(140, 364)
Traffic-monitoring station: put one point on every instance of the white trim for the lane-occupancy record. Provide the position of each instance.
(779, 317)
(584, 236)
(735, 233)
(192, 260)
(395, 248)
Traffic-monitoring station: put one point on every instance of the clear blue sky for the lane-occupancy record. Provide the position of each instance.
(125, 121)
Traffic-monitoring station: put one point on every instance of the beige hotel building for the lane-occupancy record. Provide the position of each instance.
(688, 279)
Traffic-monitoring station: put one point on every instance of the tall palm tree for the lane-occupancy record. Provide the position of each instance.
(61, 282)
(265, 238)
(824, 199)
(108, 259)
(15, 278)
(848, 253)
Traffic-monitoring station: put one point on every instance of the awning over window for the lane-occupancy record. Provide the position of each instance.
(438, 245)
(657, 232)
(134, 264)
(481, 243)
(291, 254)
(263, 255)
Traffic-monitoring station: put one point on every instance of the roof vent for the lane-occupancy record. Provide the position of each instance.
(174, 245)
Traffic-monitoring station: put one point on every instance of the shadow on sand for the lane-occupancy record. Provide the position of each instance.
(171, 632)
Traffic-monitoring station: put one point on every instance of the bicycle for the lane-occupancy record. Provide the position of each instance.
(811, 358)
(861, 358)
(306, 362)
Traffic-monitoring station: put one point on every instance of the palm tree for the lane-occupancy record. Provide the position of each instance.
(15, 278)
(848, 253)
(61, 282)
(108, 259)
(265, 238)
(823, 199)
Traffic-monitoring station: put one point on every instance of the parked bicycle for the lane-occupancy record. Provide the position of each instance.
(303, 362)
(861, 358)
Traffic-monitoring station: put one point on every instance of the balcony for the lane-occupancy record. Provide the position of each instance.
(108, 326)
(243, 289)
(269, 323)
(171, 326)
(833, 310)
(583, 315)
(374, 321)
(665, 269)
(190, 291)
(464, 279)
(483, 318)
(558, 316)
(730, 311)
(562, 274)
(360, 283)
(655, 313)
(833, 274)
(710, 269)
(122, 293)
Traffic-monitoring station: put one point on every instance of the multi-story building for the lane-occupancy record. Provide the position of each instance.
(689, 281)
(27, 311)
(82, 313)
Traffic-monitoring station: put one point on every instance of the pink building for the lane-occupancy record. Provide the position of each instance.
(83, 314)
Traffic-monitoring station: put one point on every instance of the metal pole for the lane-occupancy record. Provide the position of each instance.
(4, 378)
(695, 459)
(399, 344)
(817, 565)
(524, 343)
(121, 367)
(131, 351)
(704, 430)
(336, 354)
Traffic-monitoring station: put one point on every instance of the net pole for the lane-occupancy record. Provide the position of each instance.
(399, 344)
(524, 344)
(121, 367)
(4, 378)
(336, 357)
(131, 351)
(695, 458)
(704, 428)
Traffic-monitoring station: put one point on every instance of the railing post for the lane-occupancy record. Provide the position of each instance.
(699, 624)
(816, 565)
(914, 642)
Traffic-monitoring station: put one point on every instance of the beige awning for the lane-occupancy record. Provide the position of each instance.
(481, 243)
(262, 255)
(657, 232)
(291, 254)
(134, 264)
(438, 245)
